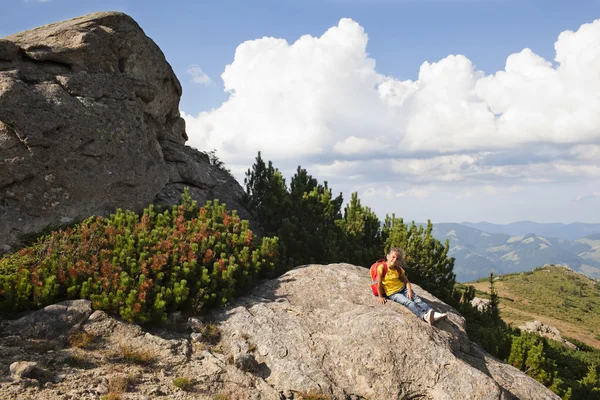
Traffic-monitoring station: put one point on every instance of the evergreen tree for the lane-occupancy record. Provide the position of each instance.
(494, 305)
(362, 231)
(589, 385)
(311, 234)
(266, 195)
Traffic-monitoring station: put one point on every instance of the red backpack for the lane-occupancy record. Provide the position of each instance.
(374, 282)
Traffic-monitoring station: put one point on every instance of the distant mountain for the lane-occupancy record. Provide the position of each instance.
(478, 252)
(571, 231)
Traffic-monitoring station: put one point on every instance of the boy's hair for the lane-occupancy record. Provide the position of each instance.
(401, 254)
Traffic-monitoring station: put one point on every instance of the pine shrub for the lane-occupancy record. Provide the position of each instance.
(140, 266)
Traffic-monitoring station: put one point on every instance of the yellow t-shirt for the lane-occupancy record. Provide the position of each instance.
(391, 281)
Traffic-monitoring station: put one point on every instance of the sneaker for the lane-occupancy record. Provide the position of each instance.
(428, 317)
(439, 316)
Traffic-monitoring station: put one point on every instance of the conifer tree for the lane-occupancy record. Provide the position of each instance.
(266, 195)
(494, 305)
(362, 231)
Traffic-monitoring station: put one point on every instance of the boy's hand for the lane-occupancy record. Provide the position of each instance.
(410, 294)
(381, 300)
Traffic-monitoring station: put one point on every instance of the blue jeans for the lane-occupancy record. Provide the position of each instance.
(416, 305)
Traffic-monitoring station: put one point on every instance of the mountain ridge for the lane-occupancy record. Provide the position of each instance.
(478, 252)
(570, 231)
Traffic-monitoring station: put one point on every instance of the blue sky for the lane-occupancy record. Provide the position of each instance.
(402, 33)
(479, 179)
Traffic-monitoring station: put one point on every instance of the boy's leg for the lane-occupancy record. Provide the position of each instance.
(420, 303)
(401, 298)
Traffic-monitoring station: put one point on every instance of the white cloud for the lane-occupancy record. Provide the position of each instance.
(198, 75)
(385, 192)
(417, 192)
(354, 145)
(319, 102)
(321, 95)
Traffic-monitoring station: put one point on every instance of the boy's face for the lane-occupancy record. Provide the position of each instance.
(392, 257)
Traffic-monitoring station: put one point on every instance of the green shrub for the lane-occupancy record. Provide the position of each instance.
(141, 267)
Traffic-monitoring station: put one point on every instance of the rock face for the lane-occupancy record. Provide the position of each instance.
(550, 332)
(89, 122)
(315, 330)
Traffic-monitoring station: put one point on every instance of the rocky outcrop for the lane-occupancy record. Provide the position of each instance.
(89, 122)
(315, 330)
(54, 322)
(538, 328)
(479, 303)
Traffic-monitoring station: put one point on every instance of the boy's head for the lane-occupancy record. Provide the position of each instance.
(396, 256)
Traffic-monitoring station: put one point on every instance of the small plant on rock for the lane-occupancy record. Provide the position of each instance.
(137, 356)
(82, 340)
(211, 334)
(185, 384)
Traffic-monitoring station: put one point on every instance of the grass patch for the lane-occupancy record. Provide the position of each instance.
(82, 340)
(199, 346)
(221, 396)
(137, 356)
(185, 384)
(211, 334)
(117, 385)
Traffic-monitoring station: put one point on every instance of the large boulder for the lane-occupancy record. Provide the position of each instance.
(89, 122)
(319, 329)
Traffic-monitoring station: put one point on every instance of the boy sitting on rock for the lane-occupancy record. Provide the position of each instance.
(394, 285)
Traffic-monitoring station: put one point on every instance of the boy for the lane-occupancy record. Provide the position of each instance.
(395, 286)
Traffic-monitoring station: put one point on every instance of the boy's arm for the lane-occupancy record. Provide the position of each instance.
(380, 289)
(409, 290)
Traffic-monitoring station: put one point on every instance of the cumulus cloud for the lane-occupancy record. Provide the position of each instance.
(198, 75)
(320, 102)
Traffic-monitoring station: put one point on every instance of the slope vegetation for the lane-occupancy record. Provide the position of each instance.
(555, 295)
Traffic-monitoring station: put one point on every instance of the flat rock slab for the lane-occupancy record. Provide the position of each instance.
(319, 328)
(54, 322)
